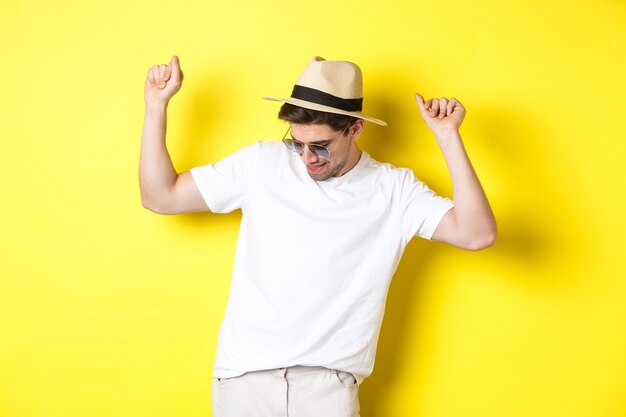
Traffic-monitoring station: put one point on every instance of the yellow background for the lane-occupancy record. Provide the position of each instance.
(107, 309)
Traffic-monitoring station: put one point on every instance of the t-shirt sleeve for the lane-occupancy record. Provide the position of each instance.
(422, 208)
(225, 184)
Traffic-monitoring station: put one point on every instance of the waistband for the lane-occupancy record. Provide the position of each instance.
(295, 369)
(302, 368)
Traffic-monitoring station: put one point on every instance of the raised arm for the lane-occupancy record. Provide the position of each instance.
(471, 223)
(162, 189)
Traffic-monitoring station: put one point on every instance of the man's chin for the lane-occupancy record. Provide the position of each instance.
(320, 173)
(319, 177)
(328, 171)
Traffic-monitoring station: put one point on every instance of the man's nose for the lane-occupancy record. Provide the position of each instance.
(307, 156)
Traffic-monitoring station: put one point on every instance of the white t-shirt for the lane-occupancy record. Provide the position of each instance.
(314, 260)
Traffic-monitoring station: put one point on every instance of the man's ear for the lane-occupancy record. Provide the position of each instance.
(356, 129)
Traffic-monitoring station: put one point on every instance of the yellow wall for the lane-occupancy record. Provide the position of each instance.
(107, 309)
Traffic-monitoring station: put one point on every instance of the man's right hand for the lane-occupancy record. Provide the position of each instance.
(163, 81)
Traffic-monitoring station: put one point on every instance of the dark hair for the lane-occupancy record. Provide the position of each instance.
(300, 115)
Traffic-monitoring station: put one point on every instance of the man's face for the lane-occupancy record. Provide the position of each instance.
(340, 145)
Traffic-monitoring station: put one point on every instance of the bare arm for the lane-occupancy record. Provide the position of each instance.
(471, 223)
(162, 189)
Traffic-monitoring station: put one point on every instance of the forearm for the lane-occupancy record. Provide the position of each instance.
(157, 175)
(474, 218)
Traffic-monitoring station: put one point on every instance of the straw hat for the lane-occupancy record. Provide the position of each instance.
(330, 86)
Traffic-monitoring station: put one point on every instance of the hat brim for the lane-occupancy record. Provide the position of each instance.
(327, 109)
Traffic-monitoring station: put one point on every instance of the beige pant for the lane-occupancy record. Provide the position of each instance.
(297, 391)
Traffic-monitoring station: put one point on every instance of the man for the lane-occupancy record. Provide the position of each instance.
(323, 229)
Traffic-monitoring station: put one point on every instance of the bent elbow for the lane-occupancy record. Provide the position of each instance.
(155, 208)
(483, 242)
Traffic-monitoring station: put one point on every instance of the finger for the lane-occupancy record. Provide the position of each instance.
(443, 102)
(162, 68)
(150, 78)
(450, 107)
(167, 74)
(155, 74)
(174, 67)
(459, 106)
(428, 104)
(420, 102)
(435, 108)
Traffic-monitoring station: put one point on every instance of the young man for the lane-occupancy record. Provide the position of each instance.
(323, 229)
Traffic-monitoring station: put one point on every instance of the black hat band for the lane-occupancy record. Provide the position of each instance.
(320, 97)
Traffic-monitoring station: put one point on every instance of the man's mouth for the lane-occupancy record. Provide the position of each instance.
(314, 169)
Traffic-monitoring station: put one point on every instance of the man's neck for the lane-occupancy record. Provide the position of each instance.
(353, 159)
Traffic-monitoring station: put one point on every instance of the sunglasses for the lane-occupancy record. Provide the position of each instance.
(298, 147)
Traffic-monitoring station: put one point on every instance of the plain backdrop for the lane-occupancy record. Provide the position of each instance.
(110, 310)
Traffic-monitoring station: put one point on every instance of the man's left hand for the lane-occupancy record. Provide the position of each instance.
(441, 115)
